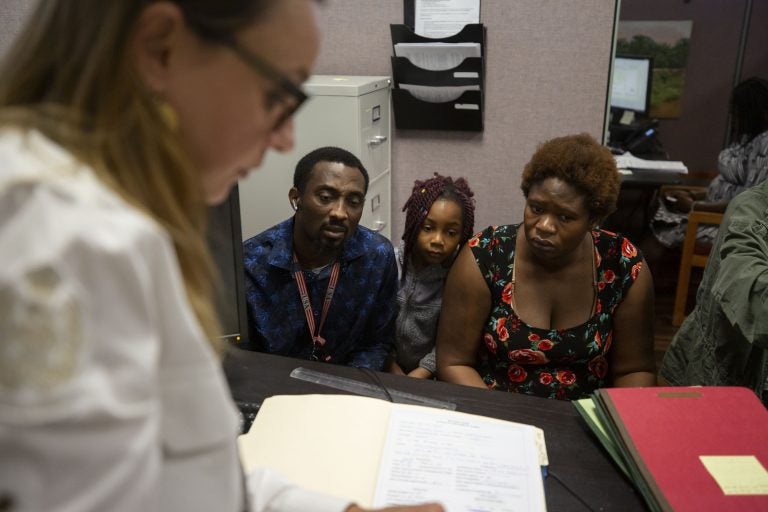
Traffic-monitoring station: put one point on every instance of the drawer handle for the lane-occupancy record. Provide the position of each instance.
(379, 225)
(377, 140)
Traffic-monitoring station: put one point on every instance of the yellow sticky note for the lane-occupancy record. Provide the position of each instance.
(737, 474)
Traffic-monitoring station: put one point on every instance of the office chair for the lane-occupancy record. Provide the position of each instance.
(694, 255)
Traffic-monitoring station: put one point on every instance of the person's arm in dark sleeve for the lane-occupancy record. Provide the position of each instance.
(741, 285)
(255, 340)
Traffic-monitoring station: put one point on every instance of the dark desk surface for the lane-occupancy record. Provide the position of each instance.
(575, 457)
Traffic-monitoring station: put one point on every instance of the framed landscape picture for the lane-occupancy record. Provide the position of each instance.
(667, 43)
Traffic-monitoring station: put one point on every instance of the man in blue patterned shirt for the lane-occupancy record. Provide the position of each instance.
(318, 285)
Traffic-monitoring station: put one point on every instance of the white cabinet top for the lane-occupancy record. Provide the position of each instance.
(341, 85)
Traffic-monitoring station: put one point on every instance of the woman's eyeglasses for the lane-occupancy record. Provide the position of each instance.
(295, 97)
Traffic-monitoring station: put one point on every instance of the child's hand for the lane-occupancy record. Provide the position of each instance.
(393, 367)
(420, 373)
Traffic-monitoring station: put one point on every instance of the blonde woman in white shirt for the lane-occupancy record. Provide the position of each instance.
(120, 122)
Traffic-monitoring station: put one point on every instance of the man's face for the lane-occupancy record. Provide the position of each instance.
(331, 205)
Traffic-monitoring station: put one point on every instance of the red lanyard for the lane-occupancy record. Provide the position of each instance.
(318, 342)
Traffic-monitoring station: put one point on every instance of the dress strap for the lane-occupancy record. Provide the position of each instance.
(595, 289)
(512, 282)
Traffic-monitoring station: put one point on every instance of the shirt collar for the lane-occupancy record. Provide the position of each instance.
(281, 255)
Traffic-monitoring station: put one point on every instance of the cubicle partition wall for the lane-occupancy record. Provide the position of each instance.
(547, 64)
(13, 13)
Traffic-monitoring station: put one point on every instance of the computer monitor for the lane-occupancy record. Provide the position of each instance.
(631, 85)
(226, 244)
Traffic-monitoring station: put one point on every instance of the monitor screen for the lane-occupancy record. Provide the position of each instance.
(631, 86)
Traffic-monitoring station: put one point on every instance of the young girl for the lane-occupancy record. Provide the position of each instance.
(440, 218)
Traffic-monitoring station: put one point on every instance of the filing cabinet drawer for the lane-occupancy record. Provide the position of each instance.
(377, 214)
(375, 132)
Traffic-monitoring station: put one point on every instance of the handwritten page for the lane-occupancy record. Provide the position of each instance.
(442, 18)
(466, 464)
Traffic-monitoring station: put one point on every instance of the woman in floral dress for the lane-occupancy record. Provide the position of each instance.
(555, 306)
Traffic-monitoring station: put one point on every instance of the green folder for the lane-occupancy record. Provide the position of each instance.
(587, 409)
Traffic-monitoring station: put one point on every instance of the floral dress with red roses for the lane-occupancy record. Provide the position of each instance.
(567, 364)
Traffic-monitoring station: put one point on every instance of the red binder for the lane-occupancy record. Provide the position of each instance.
(663, 431)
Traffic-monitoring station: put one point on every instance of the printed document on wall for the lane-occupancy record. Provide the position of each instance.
(443, 18)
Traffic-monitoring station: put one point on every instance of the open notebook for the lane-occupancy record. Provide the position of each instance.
(377, 453)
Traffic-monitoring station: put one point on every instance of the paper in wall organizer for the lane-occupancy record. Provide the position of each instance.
(463, 114)
(428, 96)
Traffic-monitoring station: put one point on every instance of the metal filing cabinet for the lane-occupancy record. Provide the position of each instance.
(351, 112)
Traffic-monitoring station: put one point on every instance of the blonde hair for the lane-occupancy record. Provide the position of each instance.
(69, 75)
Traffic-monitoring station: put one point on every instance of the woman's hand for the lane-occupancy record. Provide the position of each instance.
(393, 367)
(680, 201)
(420, 373)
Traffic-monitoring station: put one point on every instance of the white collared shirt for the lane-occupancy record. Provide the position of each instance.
(110, 396)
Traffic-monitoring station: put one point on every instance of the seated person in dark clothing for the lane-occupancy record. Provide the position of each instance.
(553, 306)
(741, 165)
(319, 286)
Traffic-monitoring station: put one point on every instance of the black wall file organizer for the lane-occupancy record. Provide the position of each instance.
(462, 114)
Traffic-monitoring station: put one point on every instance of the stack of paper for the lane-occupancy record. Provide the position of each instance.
(437, 56)
(377, 453)
(630, 162)
(686, 448)
(439, 94)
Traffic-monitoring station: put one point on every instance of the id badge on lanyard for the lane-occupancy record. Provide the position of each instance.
(318, 342)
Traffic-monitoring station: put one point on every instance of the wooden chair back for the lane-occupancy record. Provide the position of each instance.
(694, 255)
